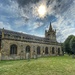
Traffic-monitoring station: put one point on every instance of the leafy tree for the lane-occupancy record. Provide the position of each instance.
(66, 45)
(72, 45)
(62, 49)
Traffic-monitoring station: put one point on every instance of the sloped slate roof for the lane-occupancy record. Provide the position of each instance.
(9, 32)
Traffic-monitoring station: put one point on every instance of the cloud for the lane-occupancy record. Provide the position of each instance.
(22, 3)
(19, 23)
(37, 24)
(62, 10)
(62, 6)
(10, 9)
(5, 25)
(53, 6)
(65, 24)
(20, 13)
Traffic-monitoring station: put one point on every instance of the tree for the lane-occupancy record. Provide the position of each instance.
(66, 45)
(62, 49)
(72, 45)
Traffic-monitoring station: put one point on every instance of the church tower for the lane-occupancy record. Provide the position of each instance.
(50, 34)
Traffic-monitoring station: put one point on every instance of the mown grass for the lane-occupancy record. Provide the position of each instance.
(60, 65)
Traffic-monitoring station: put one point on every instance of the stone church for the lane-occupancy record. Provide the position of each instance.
(15, 45)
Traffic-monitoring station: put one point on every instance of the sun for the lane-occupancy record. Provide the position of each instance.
(42, 11)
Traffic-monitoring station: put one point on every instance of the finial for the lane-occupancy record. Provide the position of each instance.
(3, 33)
(50, 28)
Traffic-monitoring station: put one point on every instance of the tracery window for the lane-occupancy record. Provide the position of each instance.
(13, 49)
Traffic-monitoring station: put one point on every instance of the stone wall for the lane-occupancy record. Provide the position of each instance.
(21, 49)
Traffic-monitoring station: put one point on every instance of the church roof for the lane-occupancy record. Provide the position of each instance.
(9, 32)
(26, 36)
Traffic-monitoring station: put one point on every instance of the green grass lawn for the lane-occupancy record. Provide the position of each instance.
(60, 65)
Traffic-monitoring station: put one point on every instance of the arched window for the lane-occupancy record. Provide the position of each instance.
(38, 50)
(58, 51)
(53, 50)
(46, 50)
(27, 49)
(13, 49)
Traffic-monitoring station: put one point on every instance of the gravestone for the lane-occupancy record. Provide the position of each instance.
(27, 56)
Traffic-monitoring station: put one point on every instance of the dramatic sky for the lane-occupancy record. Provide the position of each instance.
(34, 16)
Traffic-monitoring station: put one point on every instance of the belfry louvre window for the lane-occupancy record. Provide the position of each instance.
(13, 49)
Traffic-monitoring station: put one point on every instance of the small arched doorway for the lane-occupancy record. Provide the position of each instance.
(46, 50)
